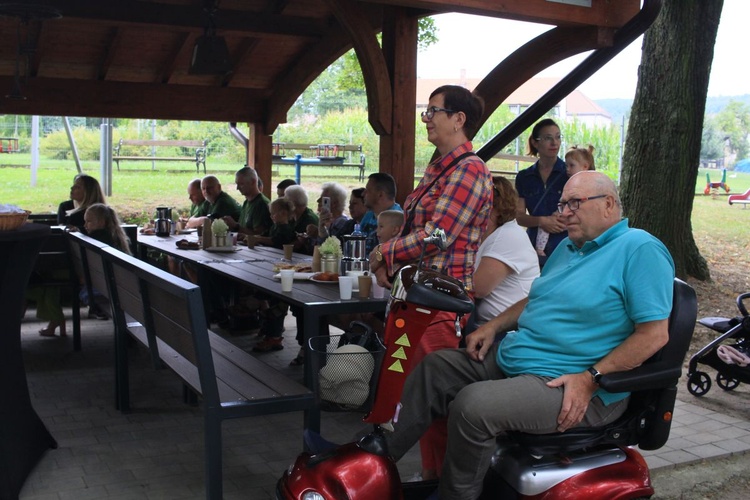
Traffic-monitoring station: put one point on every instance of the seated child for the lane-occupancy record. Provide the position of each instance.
(102, 223)
(578, 159)
(282, 230)
(389, 224)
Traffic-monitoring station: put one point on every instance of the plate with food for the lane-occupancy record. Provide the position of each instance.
(187, 245)
(187, 231)
(297, 276)
(325, 278)
(299, 267)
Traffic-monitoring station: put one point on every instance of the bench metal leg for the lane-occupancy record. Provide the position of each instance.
(213, 458)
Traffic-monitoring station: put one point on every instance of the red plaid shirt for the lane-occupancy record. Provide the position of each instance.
(459, 203)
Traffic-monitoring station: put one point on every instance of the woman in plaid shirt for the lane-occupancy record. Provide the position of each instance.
(455, 195)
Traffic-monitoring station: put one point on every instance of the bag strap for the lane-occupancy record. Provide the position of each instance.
(413, 205)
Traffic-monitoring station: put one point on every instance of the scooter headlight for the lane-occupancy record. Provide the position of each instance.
(312, 495)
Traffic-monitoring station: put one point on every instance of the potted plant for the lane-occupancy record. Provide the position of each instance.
(219, 229)
(330, 255)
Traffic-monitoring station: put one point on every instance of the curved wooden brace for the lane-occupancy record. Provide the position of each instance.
(538, 54)
(301, 73)
(371, 60)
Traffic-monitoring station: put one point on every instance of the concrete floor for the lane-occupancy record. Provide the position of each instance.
(156, 450)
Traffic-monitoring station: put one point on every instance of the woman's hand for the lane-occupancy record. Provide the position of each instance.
(552, 224)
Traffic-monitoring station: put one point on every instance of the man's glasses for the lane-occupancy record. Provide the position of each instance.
(430, 112)
(548, 138)
(575, 203)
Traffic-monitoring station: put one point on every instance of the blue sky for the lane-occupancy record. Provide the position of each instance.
(468, 42)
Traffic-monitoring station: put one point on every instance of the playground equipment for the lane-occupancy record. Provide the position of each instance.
(713, 187)
(8, 145)
(740, 199)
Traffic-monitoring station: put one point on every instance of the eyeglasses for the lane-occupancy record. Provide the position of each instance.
(550, 138)
(430, 112)
(575, 203)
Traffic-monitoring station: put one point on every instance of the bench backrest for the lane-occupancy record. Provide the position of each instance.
(163, 142)
(88, 263)
(170, 308)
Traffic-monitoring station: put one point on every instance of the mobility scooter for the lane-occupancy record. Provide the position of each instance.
(596, 463)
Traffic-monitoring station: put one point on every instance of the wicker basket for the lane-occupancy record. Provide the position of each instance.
(11, 222)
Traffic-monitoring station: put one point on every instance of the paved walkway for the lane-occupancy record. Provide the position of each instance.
(156, 451)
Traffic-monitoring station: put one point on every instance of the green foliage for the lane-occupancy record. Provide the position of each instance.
(734, 122)
(712, 140)
(56, 145)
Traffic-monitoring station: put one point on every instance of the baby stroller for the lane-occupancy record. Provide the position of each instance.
(731, 361)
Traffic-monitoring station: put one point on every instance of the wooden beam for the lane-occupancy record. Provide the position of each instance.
(400, 51)
(110, 50)
(174, 16)
(606, 13)
(538, 54)
(374, 70)
(63, 97)
(170, 62)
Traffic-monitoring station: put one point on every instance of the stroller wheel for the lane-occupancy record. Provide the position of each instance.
(699, 384)
(726, 383)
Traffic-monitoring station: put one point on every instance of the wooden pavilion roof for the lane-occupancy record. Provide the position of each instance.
(132, 58)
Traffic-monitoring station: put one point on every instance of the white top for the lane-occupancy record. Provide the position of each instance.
(510, 245)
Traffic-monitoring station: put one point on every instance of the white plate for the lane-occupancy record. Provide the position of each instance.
(355, 285)
(297, 276)
(222, 249)
(187, 231)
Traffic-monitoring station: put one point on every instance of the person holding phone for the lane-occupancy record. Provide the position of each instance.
(333, 220)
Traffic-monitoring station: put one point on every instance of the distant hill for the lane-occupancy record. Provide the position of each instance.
(617, 108)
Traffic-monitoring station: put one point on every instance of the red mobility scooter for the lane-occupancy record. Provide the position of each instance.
(596, 463)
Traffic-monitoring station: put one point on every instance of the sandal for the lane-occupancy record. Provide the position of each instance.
(299, 360)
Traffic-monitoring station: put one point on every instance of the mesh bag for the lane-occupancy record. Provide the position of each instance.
(345, 370)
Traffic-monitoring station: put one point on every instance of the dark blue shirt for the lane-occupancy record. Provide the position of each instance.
(532, 189)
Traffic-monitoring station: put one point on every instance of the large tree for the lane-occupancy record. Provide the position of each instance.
(662, 152)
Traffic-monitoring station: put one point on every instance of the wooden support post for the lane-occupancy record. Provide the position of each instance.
(259, 150)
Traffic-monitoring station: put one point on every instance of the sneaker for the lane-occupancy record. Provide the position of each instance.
(300, 359)
(269, 344)
(416, 478)
(96, 313)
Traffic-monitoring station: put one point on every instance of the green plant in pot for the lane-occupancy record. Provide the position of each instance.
(330, 255)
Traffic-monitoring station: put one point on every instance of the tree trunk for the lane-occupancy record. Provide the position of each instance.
(660, 164)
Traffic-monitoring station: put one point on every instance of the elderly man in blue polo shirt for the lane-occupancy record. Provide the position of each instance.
(600, 305)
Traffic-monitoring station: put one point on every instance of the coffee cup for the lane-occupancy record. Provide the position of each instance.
(365, 284)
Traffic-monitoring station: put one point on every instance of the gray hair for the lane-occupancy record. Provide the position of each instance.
(335, 191)
(297, 195)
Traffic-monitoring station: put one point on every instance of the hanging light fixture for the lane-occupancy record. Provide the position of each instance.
(28, 15)
(210, 53)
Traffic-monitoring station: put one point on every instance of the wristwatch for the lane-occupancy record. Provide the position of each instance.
(595, 374)
(378, 254)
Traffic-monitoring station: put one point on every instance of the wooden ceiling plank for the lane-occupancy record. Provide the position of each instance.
(170, 62)
(193, 17)
(606, 13)
(110, 50)
(374, 69)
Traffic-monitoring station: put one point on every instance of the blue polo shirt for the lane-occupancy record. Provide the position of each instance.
(531, 188)
(587, 301)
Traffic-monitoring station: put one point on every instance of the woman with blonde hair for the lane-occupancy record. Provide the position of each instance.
(84, 192)
(102, 223)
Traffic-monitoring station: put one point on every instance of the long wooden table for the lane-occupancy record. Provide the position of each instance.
(254, 268)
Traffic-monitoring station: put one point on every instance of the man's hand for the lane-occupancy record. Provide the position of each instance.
(552, 224)
(577, 391)
(231, 223)
(479, 342)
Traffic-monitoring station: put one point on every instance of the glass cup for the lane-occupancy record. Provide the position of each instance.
(287, 279)
(345, 287)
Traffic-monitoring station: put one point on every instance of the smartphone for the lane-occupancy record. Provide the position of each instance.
(325, 203)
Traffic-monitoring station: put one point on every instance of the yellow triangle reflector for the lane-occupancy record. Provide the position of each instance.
(400, 353)
(396, 367)
(403, 340)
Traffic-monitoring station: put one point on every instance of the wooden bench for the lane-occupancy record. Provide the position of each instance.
(199, 156)
(335, 155)
(165, 314)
